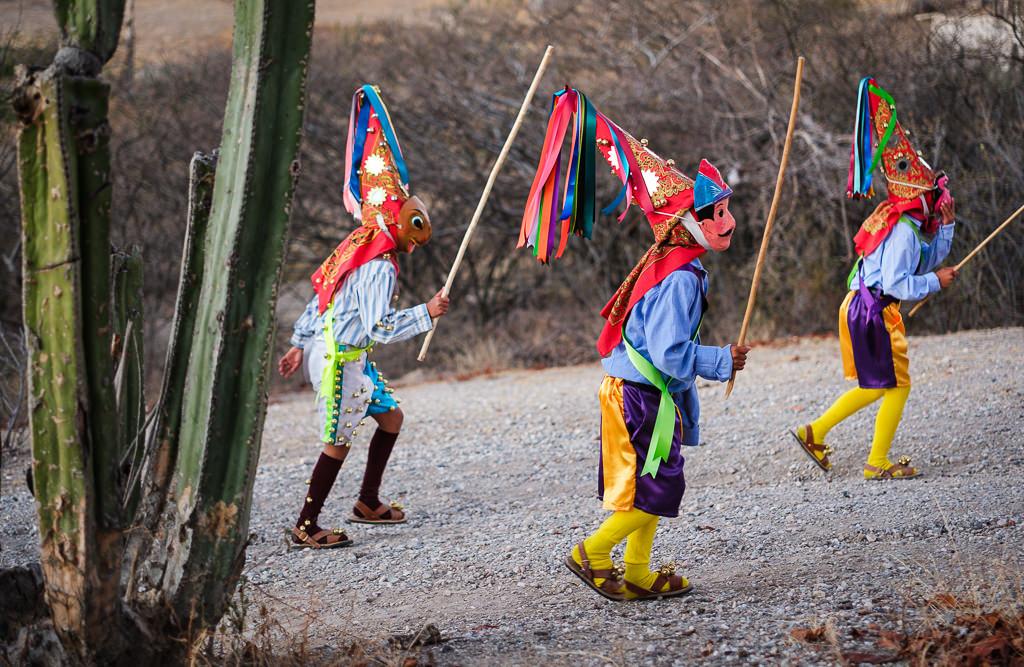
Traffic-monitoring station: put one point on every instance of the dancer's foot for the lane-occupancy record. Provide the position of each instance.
(663, 583)
(391, 513)
(901, 470)
(605, 580)
(818, 451)
(315, 537)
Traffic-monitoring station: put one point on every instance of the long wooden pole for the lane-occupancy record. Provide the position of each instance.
(487, 191)
(771, 214)
(971, 254)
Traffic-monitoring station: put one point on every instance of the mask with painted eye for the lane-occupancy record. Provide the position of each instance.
(933, 200)
(413, 226)
(717, 224)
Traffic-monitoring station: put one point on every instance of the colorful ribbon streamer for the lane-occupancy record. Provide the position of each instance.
(862, 163)
(554, 212)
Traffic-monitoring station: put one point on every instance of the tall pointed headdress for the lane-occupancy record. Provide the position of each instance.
(666, 196)
(879, 139)
(376, 186)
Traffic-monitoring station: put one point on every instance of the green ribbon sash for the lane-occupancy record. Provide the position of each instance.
(330, 380)
(664, 423)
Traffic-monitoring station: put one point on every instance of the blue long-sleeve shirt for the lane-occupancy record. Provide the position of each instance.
(901, 266)
(362, 311)
(662, 328)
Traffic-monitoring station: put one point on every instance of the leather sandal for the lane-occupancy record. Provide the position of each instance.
(813, 449)
(391, 513)
(901, 470)
(677, 585)
(610, 588)
(323, 539)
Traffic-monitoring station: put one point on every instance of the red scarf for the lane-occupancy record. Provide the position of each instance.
(665, 256)
(877, 226)
(365, 243)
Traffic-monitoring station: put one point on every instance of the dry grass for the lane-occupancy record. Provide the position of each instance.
(961, 611)
(263, 630)
(969, 613)
(957, 611)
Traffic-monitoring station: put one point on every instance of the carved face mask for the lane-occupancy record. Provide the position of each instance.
(413, 226)
(933, 200)
(717, 224)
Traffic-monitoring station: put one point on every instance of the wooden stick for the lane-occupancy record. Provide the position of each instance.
(771, 214)
(487, 191)
(971, 254)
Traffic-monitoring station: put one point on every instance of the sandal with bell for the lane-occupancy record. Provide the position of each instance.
(610, 588)
(322, 539)
(813, 449)
(901, 470)
(677, 585)
(391, 513)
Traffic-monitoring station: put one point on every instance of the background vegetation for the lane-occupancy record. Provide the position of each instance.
(698, 78)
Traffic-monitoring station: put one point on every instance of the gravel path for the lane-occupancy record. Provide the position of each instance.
(498, 475)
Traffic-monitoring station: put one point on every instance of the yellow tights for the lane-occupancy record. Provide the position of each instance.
(888, 419)
(637, 528)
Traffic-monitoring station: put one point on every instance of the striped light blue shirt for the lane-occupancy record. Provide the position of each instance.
(362, 311)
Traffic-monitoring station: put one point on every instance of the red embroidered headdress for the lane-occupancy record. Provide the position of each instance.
(664, 194)
(376, 186)
(910, 182)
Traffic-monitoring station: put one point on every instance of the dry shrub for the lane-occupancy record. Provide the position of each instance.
(975, 619)
(964, 611)
(698, 78)
(991, 638)
(262, 630)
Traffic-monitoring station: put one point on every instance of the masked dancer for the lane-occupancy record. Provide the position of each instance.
(894, 264)
(651, 338)
(351, 312)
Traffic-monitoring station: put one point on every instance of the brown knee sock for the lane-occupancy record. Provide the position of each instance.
(320, 482)
(376, 460)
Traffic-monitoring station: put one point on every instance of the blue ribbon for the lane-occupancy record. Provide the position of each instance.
(389, 132)
(358, 145)
(570, 192)
(359, 138)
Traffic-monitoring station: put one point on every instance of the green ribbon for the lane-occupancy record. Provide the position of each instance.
(330, 380)
(888, 130)
(664, 423)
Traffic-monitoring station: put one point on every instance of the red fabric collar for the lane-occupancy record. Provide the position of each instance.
(877, 226)
(657, 264)
(362, 245)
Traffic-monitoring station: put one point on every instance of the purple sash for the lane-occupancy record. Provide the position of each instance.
(869, 337)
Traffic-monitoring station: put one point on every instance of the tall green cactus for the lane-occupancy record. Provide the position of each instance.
(64, 169)
(162, 435)
(194, 498)
(230, 361)
(93, 26)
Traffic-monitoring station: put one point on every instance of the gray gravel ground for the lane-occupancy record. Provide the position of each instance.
(498, 475)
